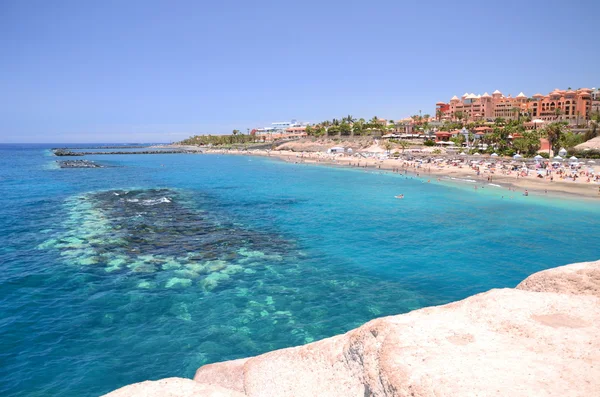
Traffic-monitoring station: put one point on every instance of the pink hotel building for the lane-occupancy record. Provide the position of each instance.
(573, 106)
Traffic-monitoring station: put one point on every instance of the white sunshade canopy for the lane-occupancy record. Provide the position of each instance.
(494, 154)
(558, 158)
(573, 158)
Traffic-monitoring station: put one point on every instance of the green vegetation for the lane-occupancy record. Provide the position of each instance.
(348, 126)
(220, 140)
(505, 138)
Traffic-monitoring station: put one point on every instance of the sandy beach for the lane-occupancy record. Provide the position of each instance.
(478, 175)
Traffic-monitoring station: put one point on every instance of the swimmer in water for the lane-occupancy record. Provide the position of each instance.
(400, 196)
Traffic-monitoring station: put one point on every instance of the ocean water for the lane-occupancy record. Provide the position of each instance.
(158, 264)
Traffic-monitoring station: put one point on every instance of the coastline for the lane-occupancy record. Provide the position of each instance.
(534, 186)
(489, 343)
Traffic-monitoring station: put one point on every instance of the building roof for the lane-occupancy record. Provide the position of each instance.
(538, 96)
(465, 94)
(497, 92)
(471, 96)
(454, 98)
(486, 95)
(441, 103)
(521, 95)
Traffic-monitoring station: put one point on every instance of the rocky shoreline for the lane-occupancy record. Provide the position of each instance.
(541, 338)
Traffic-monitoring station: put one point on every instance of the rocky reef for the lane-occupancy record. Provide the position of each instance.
(541, 338)
(78, 164)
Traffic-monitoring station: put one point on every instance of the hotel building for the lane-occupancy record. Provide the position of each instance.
(559, 105)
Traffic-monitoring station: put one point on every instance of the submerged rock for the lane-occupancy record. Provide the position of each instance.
(78, 164)
(178, 282)
(157, 233)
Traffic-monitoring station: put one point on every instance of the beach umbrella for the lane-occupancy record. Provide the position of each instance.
(517, 156)
(592, 162)
(476, 154)
(562, 152)
(462, 154)
(572, 158)
(558, 158)
(538, 157)
(494, 154)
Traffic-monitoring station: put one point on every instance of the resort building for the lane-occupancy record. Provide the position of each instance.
(282, 129)
(559, 105)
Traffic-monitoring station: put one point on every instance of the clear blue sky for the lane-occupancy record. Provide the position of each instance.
(139, 71)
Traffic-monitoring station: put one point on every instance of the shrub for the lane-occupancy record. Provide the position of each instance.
(588, 154)
(429, 142)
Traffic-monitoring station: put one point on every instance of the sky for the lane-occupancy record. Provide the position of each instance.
(160, 71)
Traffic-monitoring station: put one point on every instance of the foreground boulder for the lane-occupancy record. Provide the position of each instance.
(541, 339)
(173, 387)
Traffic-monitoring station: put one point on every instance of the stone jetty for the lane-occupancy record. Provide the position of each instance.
(541, 338)
(67, 152)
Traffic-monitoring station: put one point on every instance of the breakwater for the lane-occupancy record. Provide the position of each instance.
(67, 152)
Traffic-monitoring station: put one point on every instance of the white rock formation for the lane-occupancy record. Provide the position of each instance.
(540, 339)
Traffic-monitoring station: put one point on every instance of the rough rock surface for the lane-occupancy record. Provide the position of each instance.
(173, 387)
(540, 339)
(578, 279)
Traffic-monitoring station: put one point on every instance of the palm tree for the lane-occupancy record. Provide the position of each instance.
(358, 127)
(350, 119)
(459, 115)
(388, 146)
(426, 116)
(516, 110)
(235, 132)
(553, 132)
(403, 145)
(345, 128)
(439, 114)
(558, 112)
(499, 121)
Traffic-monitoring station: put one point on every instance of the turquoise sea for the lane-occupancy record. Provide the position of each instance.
(159, 264)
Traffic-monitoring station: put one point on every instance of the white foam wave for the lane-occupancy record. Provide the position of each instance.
(156, 201)
(464, 180)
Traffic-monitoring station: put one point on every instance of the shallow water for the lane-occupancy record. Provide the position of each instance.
(163, 263)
